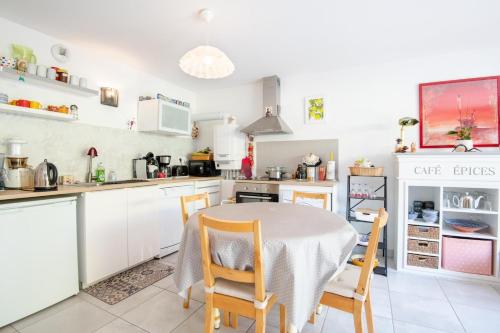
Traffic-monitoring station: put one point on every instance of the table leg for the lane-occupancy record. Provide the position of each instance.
(319, 309)
(292, 328)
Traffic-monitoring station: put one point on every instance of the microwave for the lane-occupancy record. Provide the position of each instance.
(203, 169)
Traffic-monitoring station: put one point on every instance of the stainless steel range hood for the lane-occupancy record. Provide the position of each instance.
(271, 123)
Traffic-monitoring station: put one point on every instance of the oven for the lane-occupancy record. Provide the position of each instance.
(256, 192)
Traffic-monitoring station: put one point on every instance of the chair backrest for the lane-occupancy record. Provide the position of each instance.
(371, 252)
(211, 271)
(308, 195)
(186, 199)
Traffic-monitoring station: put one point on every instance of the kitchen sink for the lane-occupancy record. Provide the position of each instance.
(116, 182)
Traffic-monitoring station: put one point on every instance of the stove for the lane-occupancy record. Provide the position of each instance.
(256, 192)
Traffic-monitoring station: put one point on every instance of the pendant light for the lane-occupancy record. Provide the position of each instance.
(205, 61)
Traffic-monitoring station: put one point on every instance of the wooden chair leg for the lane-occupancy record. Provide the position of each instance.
(186, 301)
(216, 315)
(226, 317)
(358, 316)
(260, 321)
(209, 313)
(282, 319)
(368, 313)
(234, 320)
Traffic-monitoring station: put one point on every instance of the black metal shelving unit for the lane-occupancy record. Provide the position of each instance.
(352, 203)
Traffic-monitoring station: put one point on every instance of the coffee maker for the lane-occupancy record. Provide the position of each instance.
(165, 171)
(18, 174)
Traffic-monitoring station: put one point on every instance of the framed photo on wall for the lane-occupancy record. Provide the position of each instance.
(314, 109)
(447, 105)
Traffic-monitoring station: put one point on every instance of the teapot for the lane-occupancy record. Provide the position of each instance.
(467, 201)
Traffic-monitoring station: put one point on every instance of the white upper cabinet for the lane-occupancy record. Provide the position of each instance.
(163, 117)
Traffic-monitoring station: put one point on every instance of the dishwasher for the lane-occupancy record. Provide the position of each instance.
(171, 226)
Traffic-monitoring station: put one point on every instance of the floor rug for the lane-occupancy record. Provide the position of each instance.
(116, 288)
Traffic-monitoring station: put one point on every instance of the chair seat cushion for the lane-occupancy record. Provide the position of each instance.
(244, 291)
(345, 283)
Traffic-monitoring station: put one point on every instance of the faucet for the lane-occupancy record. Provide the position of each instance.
(91, 154)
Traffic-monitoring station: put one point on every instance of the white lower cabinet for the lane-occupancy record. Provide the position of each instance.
(38, 256)
(286, 195)
(117, 229)
(143, 224)
(213, 188)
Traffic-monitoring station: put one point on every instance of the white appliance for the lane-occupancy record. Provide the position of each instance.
(39, 261)
(171, 226)
(229, 146)
(163, 117)
(213, 188)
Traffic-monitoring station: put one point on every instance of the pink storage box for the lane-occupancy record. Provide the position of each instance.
(468, 255)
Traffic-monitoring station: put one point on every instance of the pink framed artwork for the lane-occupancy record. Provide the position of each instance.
(446, 105)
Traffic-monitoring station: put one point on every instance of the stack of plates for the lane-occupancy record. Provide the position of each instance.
(4, 98)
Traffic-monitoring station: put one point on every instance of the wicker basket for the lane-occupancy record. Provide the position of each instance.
(422, 261)
(423, 246)
(423, 231)
(202, 157)
(368, 172)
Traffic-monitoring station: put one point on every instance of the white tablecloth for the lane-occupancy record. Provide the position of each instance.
(303, 247)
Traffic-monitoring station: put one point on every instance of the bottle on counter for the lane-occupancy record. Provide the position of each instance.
(100, 173)
(330, 168)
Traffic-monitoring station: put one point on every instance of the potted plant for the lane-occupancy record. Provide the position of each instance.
(405, 122)
(463, 132)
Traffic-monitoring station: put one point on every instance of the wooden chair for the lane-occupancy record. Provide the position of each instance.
(308, 195)
(236, 292)
(185, 200)
(350, 290)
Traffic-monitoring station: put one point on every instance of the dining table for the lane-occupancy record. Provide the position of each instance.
(303, 248)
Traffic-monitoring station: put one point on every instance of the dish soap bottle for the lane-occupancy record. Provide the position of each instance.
(330, 168)
(100, 173)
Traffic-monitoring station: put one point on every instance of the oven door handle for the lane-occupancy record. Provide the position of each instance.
(254, 197)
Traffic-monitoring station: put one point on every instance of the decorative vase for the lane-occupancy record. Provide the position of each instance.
(469, 144)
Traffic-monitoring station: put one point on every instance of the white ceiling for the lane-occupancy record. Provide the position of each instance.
(265, 37)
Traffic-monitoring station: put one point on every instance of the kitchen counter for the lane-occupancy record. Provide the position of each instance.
(292, 182)
(74, 189)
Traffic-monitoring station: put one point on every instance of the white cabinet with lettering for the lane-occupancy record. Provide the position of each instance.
(463, 188)
(117, 229)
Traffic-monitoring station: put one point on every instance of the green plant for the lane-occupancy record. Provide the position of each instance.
(466, 125)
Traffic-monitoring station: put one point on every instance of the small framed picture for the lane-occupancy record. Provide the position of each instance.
(109, 96)
(314, 110)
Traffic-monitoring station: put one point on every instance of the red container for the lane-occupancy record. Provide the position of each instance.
(468, 255)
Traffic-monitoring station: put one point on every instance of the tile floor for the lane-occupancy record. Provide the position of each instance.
(403, 303)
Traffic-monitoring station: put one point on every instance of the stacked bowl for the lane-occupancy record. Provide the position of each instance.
(4, 98)
(430, 215)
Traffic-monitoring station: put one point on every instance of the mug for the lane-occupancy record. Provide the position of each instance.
(32, 69)
(83, 82)
(74, 80)
(41, 71)
(51, 73)
(35, 105)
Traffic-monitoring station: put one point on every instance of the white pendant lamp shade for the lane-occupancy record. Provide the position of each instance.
(206, 62)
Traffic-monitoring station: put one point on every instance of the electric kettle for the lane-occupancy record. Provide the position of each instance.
(45, 177)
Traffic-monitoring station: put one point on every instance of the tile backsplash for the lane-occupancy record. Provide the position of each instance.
(66, 144)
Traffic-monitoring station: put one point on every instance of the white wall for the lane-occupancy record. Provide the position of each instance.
(363, 105)
(58, 141)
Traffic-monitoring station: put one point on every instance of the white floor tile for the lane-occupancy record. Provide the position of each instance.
(381, 303)
(478, 320)
(7, 329)
(196, 322)
(469, 293)
(127, 304)
(415, 284)
(162, 313)
(423, 311)
(197, 291)
(50, 311)
(171, 258)
(269, 329)
(380, 282)
(120, 326)
(342, 322)
(166, 282)
(403, 327)
(81, 317)
(496, 287)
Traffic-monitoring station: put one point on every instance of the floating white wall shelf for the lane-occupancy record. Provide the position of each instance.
(10, 74)
(22, 111)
